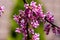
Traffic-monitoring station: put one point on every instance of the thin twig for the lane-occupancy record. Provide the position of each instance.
(53, 25)
(24, 1)
(28, 38)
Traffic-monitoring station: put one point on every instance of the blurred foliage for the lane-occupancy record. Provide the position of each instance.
(20, 6)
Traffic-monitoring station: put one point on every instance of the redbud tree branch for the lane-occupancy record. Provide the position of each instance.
(28, 37)
(24, 1)
(53, 25)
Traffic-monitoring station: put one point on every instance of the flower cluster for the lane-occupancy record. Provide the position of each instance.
(31, 17)
(50, 19)
(1, 10)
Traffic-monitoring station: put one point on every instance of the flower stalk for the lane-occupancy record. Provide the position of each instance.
(28, 37)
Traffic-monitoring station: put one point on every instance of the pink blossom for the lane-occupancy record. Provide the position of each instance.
(18, 30)
(36, 36)
(26, 6)
(1, 10)
(35, 24)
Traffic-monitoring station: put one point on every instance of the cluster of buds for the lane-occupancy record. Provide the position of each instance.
(1, 10)
(30, 18)
(49, 18)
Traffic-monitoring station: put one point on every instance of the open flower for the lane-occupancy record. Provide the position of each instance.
(36, 36)
(31, 31)
(50, 17)
(18, 30)
(47, 28)
(35, 24)
(1, 10)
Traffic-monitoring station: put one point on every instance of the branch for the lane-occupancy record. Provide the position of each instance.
(53, 25)
(24, 1)
(28, 38)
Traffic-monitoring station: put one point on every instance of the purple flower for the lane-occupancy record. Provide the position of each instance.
(36, 36)
(16, 18)
(1, 10)
(33, 4)
(21, 13)
(54, 30)
(50, 17)
(22, 23)
(58, 30)
(35, 24)
(18, 30)
(26, 6)
(28, 13)
(47, 28)
(31, 31)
